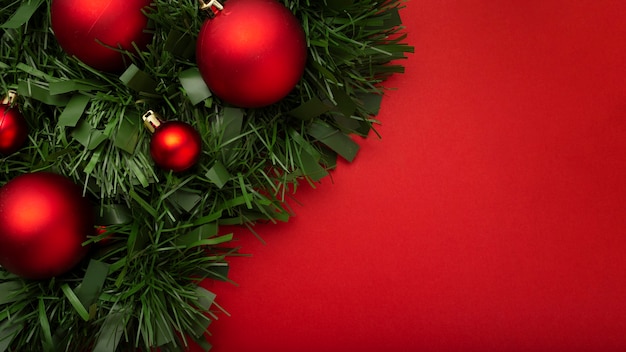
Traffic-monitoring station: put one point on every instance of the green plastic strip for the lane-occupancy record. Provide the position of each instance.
(136, 79)
(45, 326)
(335, 140)
(37, 92)
(8, 331)
(22, 14)
(310, 109)
(92, 284)
(200, 233)
(73, 111)
(75, 302)
(180, 44)
(127, 136)
(8, 291)
(205, 298)
(218, 174)
(69, 86)
(88, 136)
(113, 214)
(111, 331)
(194, 85)
(345, 104)
(184, 199)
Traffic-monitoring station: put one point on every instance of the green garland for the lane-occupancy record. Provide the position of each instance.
(143, 288)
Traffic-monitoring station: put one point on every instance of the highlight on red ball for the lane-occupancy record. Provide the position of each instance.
(175, 145)
(88, 30)
(252, 53)
(13, 126)
(44, 220)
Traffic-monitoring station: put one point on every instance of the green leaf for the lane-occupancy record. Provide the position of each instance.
(338, 5)
(45, 326)
(194, 85)
(23, 14)
(136, 79)
(208, 218)
(185, 200)
(335, 140)
(344, 102)
(75, 302)
(73, 111)
(8, 331)
(181, 44)
(200, 233)
(86, 135)
(8, 291)
(231, 122)
(112, 330)
(113, 214)
(205, 298)
(212, 241)
(147, 207)
(38, 92)
(218, 174)
(68, 86)
(127, 136)
(310, 166)
(371, 102)
(93, 281)
(310, 109)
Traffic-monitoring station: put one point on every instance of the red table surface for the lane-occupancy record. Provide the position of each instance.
(489, 217)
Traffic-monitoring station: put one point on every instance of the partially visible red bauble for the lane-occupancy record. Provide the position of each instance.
(13, 129)
(82, 27)
(253, 53)
(175, 146)
(44, 219)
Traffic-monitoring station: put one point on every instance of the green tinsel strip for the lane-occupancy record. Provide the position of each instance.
(141, 289)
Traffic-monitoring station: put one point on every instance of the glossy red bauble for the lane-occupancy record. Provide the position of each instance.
(44, 220)
(253, 52)
(13, 130)
(175, 146)
(84, 29)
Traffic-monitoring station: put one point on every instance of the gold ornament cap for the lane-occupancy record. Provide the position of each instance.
(212, 7)
(10, 98)
(152, 120)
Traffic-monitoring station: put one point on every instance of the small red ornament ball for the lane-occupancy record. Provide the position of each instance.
(175, 146)
(44, 220)
(82, 27)
(13, 130)
(253, 53)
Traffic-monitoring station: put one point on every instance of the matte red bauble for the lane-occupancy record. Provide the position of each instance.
(253, 53)
(44, 220)
(13, 129)
(84, 29)
(175, 146)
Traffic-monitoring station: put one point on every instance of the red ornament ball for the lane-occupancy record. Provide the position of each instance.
(253, 53)
(44, 219)
(175, 146)
(13, 130)
(85, 29)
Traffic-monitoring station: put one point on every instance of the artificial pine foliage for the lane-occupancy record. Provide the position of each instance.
(159, 237)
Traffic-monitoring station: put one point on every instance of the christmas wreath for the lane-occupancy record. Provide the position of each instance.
(133, 129)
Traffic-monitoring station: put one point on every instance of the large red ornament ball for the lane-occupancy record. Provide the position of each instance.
(84, 29)
(175, 146)
(253, 53)
(44, 220)
(13, 130)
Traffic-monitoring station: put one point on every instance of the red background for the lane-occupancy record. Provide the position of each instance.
(489, 217)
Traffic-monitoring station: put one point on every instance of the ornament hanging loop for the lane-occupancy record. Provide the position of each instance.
(213, 7)
(10, 98)
(151, 120)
